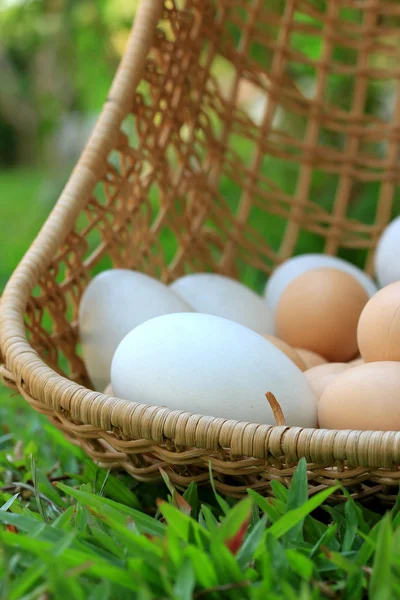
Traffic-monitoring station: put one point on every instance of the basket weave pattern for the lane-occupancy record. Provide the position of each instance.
(157, 167)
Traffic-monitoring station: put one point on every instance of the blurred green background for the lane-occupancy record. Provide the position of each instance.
(57, 60)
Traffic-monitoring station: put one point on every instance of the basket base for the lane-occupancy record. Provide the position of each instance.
(366, 485)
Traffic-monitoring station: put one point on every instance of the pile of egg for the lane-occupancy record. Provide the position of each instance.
(323, 340)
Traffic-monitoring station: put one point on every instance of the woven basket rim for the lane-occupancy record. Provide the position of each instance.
(39, 383)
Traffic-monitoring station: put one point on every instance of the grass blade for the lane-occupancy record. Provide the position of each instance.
(191, 497)
(293, 517)
(185, 581)
(145, 523)
(266, 505)
(251, 543)
(222, 503)
(72, 558)
(297, 497)
(26, 580)
(9, 502)
(300, 564)
(351, 525)
(37, 494)
(210, 521)
(298, 491)
(380, 587)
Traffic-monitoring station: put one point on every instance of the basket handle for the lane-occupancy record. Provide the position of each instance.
(7, 378)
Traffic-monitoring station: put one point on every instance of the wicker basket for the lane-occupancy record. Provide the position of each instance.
(157, 164)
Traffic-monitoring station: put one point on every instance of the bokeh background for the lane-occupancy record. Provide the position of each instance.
(57, 60)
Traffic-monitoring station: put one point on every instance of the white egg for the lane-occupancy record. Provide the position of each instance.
(113, 303)
(292, 268)
(387, 263)
(225, 297)
(208, 365)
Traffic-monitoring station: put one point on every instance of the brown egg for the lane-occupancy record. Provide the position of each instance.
(379, 326)
(311, 359)
(320, 376)
(319, 311)
(109, 390)
(288, 350)
(366, 397)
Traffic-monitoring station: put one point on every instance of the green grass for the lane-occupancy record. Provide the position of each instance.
(69, 529)
(76, 531)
